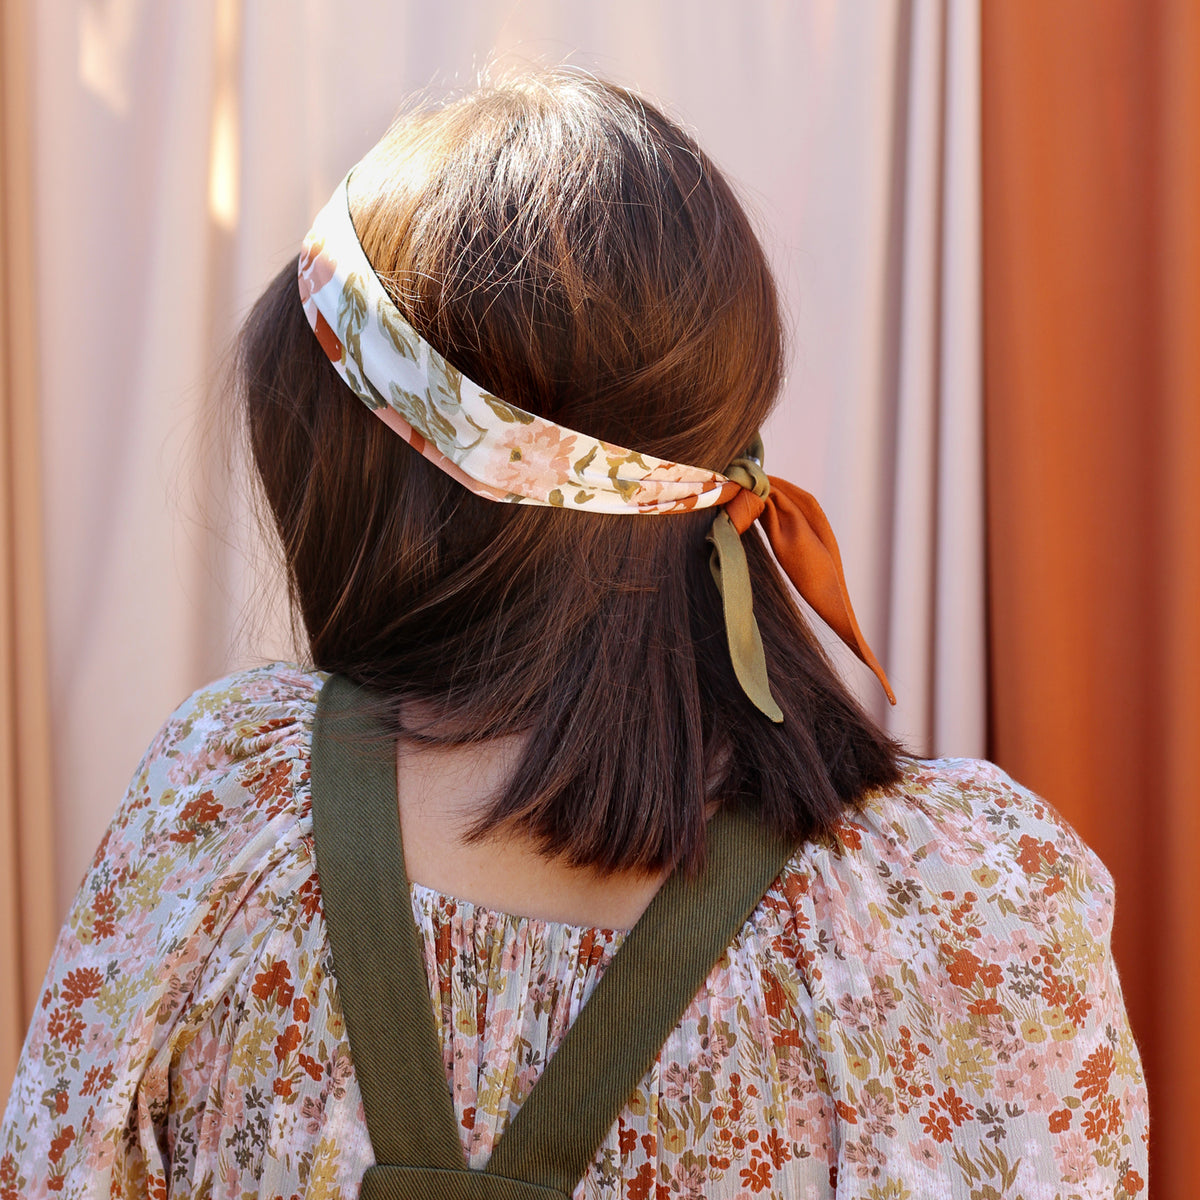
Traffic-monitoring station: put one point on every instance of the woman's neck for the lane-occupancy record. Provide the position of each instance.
(443, 790)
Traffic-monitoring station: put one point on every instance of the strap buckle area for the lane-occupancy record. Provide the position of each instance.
(434, 1183)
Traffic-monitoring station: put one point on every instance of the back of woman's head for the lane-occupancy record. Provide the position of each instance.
(571, 250)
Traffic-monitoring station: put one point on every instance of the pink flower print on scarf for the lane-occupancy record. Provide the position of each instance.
(539, 452)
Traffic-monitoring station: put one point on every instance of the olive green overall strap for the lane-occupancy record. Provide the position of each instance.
(639, 1000)
(377, 957)
(379, 965)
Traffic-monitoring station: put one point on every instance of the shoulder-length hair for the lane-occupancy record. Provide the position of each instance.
(568, 247)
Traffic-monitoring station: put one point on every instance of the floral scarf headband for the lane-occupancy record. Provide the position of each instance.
(503, 453)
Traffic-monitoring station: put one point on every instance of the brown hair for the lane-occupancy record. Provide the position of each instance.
(569, 248)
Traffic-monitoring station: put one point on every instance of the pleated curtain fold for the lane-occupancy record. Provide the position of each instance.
(28, 915)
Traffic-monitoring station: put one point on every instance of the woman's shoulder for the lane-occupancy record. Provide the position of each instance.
(220, 790)
(237, 716)
(980, 800)
(199, 904)
(960, 880)
(987, 823)
(947, 948)
(221, 787)
(244, 736)
(965, 820)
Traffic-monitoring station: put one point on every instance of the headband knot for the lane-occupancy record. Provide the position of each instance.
(755, 486)
(747, 469)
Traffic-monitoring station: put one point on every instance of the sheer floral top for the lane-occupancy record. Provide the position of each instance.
(923, 1004)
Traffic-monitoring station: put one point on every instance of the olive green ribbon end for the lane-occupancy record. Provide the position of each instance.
(727, 561)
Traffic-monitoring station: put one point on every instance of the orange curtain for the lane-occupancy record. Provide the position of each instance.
(1091, 210)
(28, 920)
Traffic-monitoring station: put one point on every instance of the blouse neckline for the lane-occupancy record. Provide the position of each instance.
(443, 903)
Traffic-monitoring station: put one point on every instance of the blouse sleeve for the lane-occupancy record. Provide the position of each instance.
(88, 1112)
(1074, 1065)
(970, 1017)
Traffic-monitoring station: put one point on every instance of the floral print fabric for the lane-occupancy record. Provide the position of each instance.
(923, 1004)
(498, 451)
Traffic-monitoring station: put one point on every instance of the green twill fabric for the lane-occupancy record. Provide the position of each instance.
(434, 1183)
(380, 972)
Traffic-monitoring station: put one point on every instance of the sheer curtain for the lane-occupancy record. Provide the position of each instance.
(180, 152)
(28, 919)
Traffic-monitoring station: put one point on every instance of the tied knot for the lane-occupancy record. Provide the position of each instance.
(747, 471)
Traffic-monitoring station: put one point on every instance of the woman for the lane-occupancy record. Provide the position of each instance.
(857, 973)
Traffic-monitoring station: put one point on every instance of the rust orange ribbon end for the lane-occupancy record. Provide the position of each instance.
(803, 542)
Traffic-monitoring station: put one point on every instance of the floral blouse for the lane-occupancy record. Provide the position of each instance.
(923, 1004)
